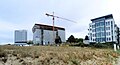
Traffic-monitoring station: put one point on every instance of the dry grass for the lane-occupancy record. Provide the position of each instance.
(52, 55)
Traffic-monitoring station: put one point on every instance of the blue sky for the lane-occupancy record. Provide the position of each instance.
(23, 14)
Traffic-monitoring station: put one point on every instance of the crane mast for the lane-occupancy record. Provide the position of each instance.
(53, 16)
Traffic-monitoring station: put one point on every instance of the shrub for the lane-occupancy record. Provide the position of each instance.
(109, 44)
(100, 45)
(3, 54)
(4, 60)
(75, 62)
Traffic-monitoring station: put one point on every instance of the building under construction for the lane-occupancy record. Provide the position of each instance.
(44, 34)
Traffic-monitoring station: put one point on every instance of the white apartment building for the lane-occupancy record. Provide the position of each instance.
(103, 29)
(43, 34)
(20, 37)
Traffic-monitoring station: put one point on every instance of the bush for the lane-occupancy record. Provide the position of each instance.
(100, 45)
(75, 62)
(109, 44)
(81, 44)
(3, 54)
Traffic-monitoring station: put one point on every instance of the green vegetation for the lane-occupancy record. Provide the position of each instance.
(30, 42)
(72, 39)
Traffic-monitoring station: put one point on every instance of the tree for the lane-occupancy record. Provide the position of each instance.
(78, 40)
(71, 39)
(86, 37)
(58, 40)
(30, 42)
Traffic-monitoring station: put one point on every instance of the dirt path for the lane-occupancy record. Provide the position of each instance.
(118, 61)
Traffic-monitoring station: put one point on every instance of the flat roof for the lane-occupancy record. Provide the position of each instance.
(47, 27)
(106, 17)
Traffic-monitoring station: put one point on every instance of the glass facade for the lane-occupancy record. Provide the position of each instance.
(102, 29)
(99, 30)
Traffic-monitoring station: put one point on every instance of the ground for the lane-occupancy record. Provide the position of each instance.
(56, 55)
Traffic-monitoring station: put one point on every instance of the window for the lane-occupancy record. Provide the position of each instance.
(109, 33)
(90, 34)
(108, 28)
(93, 35)
(93, 39)
(102, 28)
(109, 39)
(98, 24)
(90, 29)
(98, 29)
(93, 30)
(99, 34)
(96, 34)
(103, 39)
(96, 39)
(111, 22)
(111, 25)
(90, 25)
(93, 26)
(116, 37)
(108, 23)
(101, 23)
(103, 34)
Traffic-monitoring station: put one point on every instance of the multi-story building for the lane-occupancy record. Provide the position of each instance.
(20, 37)
(43, 34)
(103, 29)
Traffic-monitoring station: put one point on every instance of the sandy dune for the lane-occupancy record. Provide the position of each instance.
(51, 55)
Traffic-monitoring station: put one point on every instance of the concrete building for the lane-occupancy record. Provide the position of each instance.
(20, 37)
(43, 34)
(103, 29)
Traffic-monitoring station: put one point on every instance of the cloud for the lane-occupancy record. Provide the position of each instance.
(23, 14)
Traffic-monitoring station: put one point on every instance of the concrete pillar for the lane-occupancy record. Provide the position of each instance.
(115, 47)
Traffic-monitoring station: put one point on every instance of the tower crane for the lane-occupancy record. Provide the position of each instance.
(53, 18)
